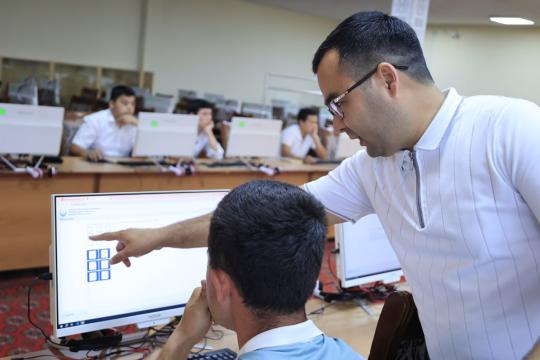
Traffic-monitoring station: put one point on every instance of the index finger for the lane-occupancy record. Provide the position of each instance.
(108, 236)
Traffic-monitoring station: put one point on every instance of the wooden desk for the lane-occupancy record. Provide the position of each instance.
(345, 320)
(25, 202)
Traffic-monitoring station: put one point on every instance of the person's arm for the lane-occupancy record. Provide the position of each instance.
(212, 141)
(195, 324)
(332, 219)
(320, 150)
(286, 151)
(128, 119)
(137, 242)
(92, 155)
(84, 139)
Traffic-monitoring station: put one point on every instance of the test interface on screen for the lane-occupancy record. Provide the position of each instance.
(90, 290)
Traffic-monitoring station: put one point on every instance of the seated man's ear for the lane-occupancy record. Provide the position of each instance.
(221, 283)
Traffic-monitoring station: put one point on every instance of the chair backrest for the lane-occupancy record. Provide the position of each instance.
(399, 334)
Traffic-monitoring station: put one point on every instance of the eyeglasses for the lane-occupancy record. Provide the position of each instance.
(334, 105)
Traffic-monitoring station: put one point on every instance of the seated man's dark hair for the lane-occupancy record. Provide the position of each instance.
(121, 90)
(269, 238)
(366, 39)
(194, 105)
(305, 112)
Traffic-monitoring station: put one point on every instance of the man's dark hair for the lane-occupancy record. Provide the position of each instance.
(366, 39)
(121, 90)
(269, 237)
(305, 112)
(194, 105)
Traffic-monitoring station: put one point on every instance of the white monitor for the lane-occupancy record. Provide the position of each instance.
(346, 146)
(166, 135)
(250, 137)
(89, 294)
(30, 129)
(365, 254)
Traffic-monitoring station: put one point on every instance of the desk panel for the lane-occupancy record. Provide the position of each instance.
(25, 219)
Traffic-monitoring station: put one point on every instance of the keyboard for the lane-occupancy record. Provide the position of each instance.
(225, 164)
(221, 354)
(318, 162)
(141, 163)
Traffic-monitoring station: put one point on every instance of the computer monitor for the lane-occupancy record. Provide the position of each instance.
(346, 146)
(166, 135)
(159, 102)
(250, 137)
(89, 294)
(29, 129)
(365, 254)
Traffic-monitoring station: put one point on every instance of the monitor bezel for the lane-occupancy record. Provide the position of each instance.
(173, 310)
(387, 276)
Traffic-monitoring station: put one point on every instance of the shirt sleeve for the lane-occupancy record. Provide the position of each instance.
(342, 191)
(214, 154)
(287, 137)
(86, 136)
(516, 139)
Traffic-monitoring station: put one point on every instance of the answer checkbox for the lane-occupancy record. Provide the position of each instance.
(105, 275)
(92, 266)
(92, 276)
(91, 254)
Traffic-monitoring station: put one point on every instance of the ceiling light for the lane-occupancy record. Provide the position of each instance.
(511, 20)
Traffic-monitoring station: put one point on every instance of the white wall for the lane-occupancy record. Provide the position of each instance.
(96, 32)
(226, 47)
(485, 60)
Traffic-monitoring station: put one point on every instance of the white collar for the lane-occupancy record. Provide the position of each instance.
(434, 133)
(284, 335)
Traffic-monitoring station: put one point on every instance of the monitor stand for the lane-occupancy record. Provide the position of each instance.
(33, 171)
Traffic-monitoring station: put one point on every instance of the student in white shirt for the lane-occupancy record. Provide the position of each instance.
(455, 182)
(109, 132)
(206, 143)
(261, 270)
(298, 139)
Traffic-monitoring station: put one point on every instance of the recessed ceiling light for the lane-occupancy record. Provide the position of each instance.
(511, 20)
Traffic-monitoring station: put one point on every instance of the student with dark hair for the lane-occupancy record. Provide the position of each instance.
(454, 180)
(297, 140)
(265, 248)
(206, 140)
(110, 132)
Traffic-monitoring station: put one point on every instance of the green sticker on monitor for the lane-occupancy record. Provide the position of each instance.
(242, 124)
(2, 111)
(154, 123)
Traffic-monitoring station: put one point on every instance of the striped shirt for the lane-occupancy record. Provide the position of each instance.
(462, 213)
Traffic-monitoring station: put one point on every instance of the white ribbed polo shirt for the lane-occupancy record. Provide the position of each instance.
(462, 213)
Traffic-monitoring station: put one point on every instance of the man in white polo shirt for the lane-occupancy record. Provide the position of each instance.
(298, 139)
(111, 132)
(262, 268)
(454, 180)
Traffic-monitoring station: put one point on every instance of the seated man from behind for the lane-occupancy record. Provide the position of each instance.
(297, 140)
(109, 132)
(265, 247)
(206, 139)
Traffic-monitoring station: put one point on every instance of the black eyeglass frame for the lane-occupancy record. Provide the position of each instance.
(334, 105)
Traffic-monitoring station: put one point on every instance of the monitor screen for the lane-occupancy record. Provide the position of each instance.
(87, 293)
(250, 137)
(365, 254)
(166, 135)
